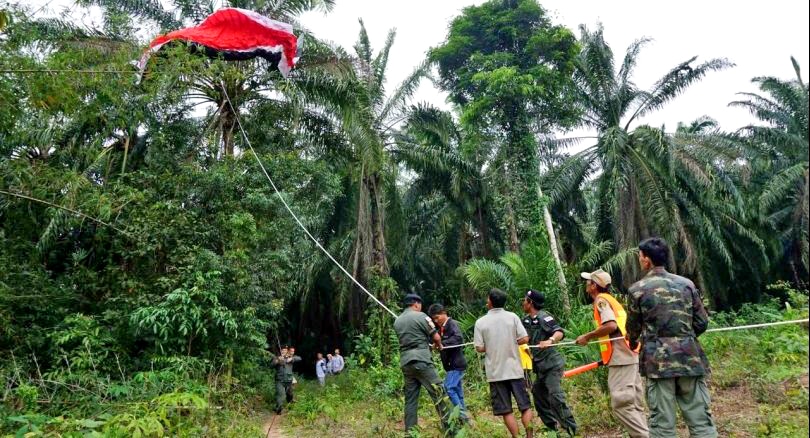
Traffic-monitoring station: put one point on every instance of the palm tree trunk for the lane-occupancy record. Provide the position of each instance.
(555, 252)
(379, 251)
(227, 122)
(484, 231)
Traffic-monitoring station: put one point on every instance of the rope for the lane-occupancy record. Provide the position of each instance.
(26, 71)
(714, 330)
(287, 206)
(86, 216)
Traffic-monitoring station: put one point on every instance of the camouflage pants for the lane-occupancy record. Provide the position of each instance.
(417, 375)
(692, 396)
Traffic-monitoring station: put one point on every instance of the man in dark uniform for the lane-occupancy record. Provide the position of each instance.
(548, 364)
(283, 363)
(666, 315)
(416, 331)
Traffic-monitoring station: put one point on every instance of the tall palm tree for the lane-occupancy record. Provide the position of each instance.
(781, 162)
(371, 131)
(646, 181)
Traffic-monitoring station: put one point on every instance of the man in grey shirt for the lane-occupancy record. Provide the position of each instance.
(498, 334)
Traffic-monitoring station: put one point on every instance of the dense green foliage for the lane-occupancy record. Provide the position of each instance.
(147, 266)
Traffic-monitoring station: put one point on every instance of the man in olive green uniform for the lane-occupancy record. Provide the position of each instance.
(283, 364)
(548, 365)
(416, 331)
(666, 315)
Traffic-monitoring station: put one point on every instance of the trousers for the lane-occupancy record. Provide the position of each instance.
(692, 396)
(626, 399)
(418, 375)
(549, 400)
(284, 392)
(455, 391)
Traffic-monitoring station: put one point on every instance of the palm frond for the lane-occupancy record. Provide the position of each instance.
(675, 82)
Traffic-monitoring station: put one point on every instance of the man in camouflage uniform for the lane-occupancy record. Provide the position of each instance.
(548, 364)
(416, 332)
(666, 315)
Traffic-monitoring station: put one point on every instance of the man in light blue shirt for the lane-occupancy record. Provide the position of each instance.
(337, 363)
(321, 369)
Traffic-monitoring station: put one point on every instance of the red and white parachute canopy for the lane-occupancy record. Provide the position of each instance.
(236, 34)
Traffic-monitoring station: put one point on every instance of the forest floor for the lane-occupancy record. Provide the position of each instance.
(735, 409)
(272, 426)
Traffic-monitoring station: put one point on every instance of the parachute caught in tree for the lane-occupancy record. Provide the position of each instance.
(235, 34)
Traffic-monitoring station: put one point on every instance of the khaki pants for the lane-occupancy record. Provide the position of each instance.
(626, 394)
(692, 396)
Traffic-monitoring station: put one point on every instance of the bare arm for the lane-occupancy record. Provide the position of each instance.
(480, 349)
(604, 330)
(437, 341)
(523, 340)
(556, 337)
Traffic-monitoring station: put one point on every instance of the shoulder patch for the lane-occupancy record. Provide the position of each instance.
(601, 304)
(430, 322)
(548, 319)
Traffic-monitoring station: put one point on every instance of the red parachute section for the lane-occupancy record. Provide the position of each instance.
(236, 34)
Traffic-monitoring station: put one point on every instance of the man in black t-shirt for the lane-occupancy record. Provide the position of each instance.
(453, 360)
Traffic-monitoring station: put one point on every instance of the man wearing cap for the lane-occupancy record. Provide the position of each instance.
(453, 360)
(544, 331)
(624, 380)
(416, 332)
(666, 314)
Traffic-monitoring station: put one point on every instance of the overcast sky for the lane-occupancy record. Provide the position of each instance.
(757, 36)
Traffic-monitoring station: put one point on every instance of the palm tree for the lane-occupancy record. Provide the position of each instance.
(646, 181)
(371, 131)
(228, 87)
(781, 162)
(532, 268)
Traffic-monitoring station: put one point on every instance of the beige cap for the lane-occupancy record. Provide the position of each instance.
(598, 276)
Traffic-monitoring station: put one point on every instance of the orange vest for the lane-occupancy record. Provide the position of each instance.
(606, 348)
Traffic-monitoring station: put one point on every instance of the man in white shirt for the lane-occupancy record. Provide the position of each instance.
(498, 334)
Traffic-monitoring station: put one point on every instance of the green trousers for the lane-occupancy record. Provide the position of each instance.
(417, 375)
(549, 400)
(692, 396)
(284, 392)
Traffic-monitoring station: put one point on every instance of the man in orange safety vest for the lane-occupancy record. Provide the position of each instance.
(624, 380)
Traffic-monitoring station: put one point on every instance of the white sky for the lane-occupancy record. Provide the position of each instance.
(758, 36)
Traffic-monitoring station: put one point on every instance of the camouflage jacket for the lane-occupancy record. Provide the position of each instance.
(666, 314)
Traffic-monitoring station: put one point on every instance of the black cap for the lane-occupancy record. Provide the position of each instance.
(411, 298)
(536, 297)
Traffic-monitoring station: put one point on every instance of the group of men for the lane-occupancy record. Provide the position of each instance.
(285, 379)
(655, 339)
(331, 365)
